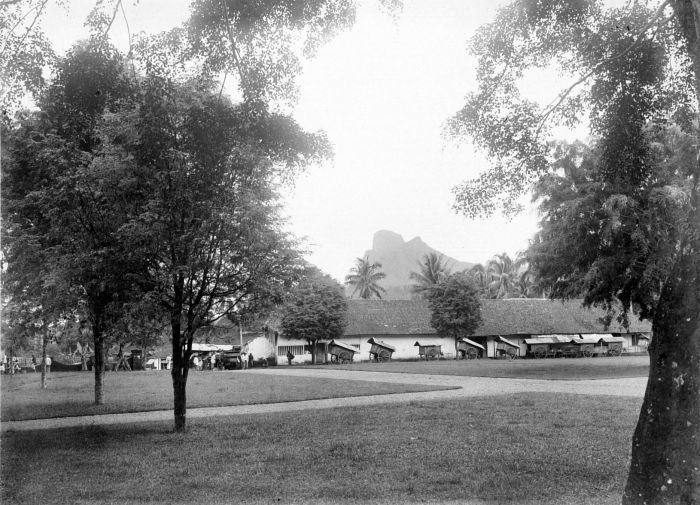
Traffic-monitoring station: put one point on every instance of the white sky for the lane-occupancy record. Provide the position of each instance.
(381, 91)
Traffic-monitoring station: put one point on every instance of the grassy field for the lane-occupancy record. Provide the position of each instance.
(72, 393)
(553, 369)
(524, 449)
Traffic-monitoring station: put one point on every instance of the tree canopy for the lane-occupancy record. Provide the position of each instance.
(454, 306)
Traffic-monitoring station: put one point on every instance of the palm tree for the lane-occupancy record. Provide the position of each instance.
(527, 282)
(364, 277)
(502, 273)
(481, 279)
(432, 271)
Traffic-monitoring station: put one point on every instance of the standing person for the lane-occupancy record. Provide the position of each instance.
(244, 360)
(213, 362)
(48, 364)
(290, 357)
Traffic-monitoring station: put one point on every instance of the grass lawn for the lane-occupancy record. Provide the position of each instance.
(553, 369)
(524, 449)
(73, 393)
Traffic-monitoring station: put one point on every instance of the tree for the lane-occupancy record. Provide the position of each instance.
(455, 309)
(207, 219)
(315, 310)
(630, 81)
(364, 277)
(481, 279)
(432, 271)
(502, 273)
(63, 205)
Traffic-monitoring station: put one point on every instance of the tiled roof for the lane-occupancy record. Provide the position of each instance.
(525, 316)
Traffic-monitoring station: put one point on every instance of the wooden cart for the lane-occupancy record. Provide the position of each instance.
(468, 349)
(380, 351)
(505, 349)
(586, 346)
(611, 346)
(341, 352)
(429, 351)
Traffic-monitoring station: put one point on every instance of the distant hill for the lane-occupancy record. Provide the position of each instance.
(399, 259)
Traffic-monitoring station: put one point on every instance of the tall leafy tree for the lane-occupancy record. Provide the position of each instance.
(207, 219)
(625, 79)
(432, 270)
(316, 309)
(455, 309)
(64, 205)
(364, 277)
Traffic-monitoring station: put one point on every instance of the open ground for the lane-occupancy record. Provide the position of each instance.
(483, 440)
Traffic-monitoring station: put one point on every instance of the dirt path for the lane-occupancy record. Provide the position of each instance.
(465, 387)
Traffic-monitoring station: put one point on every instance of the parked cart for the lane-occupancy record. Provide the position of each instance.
(380, 351)
(341, 352)
(586, 346)
(468, 349)
(429, 351)
(506, 349)
(611, 346)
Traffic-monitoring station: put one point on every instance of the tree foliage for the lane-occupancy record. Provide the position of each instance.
(24, 52)
(262, 43)
(455, 310)
(608, 246)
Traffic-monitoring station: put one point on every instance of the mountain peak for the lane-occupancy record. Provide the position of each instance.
(385, 240)
(400, 258)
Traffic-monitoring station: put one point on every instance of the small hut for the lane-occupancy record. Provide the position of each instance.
(341, 352)
(428, 351)
(468, 349)
(380, 351)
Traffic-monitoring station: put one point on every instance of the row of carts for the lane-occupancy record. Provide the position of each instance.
(568, 346)
(550, 346)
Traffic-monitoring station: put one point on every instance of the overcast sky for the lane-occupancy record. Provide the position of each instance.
(382, 92)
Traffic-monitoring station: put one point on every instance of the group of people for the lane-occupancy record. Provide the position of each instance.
(13, 366)
(245, 360)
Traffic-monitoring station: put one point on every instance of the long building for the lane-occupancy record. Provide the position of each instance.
(506, 325)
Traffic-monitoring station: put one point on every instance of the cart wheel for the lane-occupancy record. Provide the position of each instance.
(615, 352)
(511, 355)
(379, 359)
(587, 353)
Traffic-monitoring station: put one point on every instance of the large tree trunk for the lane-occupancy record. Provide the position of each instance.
(665, 466)
(179, 375)
(181, 349)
